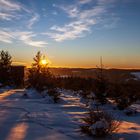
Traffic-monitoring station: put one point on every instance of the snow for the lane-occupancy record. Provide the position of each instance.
(102, 124)
(99, 125)
(136, 74)
(35, 119)
(25, 115)
(130, 111)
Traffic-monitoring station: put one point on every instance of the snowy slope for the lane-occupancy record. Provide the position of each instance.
(34, 119)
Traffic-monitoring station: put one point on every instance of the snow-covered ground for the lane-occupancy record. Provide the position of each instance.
(34, 118)
(136, 74)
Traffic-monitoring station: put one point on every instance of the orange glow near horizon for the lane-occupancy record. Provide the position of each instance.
(69, 64)
(28, 65)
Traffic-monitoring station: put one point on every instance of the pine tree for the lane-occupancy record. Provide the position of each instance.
(5, 65)
(101, 85)
(37, 59)
(39, 75)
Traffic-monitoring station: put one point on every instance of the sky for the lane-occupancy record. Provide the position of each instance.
(72, 33)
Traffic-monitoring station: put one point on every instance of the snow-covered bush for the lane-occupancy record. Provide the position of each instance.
(99, 123)
(130, 111)
(31, 94)
(85, 94)
(99, 128)
(54, 94)
(94, 104)
(25, 96)
(123, 102)
(124, 94)
(86, 97)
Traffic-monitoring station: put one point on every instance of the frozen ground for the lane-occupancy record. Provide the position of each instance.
(36, 119)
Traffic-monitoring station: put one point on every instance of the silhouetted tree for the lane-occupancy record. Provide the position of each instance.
(5, 65)
(40, 77)
(37, 59)
(101, 85)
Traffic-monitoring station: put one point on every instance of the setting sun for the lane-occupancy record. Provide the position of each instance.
(43, 62)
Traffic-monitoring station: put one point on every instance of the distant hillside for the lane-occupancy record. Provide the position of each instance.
(91, 72)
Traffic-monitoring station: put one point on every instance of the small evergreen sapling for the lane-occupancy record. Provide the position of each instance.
(99, 123)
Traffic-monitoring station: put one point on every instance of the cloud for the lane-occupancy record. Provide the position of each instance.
(26, 37)
(81, 19)
(97, 11)
(6, 16)
(13, 10)
(36, 43)
(75, 12)
(10, 9)
(84, 1)
(9, 6)
(8, 36)
(5, 37)
(32, 21)
(71, 10)
(104, 2)
(70, 31)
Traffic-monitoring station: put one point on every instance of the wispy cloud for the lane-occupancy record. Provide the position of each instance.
(9, 5)
(26, 37)
(5, 37)
(84, 1)
(104, 2)
(36, 43)
(32, 21)
(71, 10)
(81, 20)
(10, 9)
(92, 13)
(82, 16)
(70, 31)
(6, 16)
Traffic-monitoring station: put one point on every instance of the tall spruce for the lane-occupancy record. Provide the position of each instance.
(39, 76)
(5, 66)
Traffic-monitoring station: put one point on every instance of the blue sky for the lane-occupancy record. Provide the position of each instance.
(72, 33)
